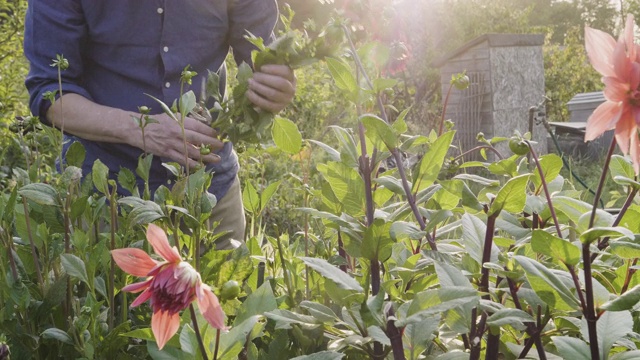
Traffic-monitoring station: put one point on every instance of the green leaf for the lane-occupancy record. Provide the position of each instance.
(611, 327)
(473, 234)
(377, 241)
(627, 355)
(508, 316)
(334, 154)
(572, 348)
(598, 232)
(400, 125)
(143, 211)
(551, 165)
(341, 73)
(322, 355)
(144, 167)
(572, 208)
(39, 193)
(626, 301)
(379, 130)
(450, 276)
(75, 267)
(257, 303)
(547, 285)
(285, 318)
(319, 311)
(511, 197)
(431, 162)
(100, 177)
(250, 198)
(232, 342)
(187, 103)
(620, 166)
(165, 108)
(268, 193)
(57, 334)
(547, 244)
(188, 340)
(347, 186)
(432, 302)
(332, 273)
(626, 248)
(286, 135)
(75, 154)
(418, 335)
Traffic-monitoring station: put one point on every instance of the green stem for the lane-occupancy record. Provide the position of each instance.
(546, 188)
(603, 179)
(112, 269)
(34, 252)
(589, 311)
(196, 329)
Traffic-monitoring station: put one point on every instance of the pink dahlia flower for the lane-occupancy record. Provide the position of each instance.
(171, 285)
(617, 61)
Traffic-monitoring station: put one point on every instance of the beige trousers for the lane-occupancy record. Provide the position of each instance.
(229, 214)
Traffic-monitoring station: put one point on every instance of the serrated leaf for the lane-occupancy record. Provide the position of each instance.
(511, 197)
(551, 165)
(286, 135)
(432, 162)
(598, 232)
(379, 130)
(100, 177)
(322, 355)
(341, 73)
(611, 327)
(547, 285)
(508, 316)
(75, 154)
(547, 244)
(43, 194)
(250, 198)
(332, 273)
(75, 267)
(57, 334)
(626, 301)
(572, 348)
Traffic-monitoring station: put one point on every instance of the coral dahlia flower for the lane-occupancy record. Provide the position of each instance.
(171, 286)
(617, 61)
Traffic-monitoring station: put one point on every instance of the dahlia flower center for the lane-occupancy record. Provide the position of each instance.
(174, 287)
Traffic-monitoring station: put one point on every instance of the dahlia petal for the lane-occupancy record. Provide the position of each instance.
(160, 243)
(210, 307)
(600, 47)
(634, 80)
(625, 130)
(146, 295)
(137, 287)
(628, 37)
(164, 325)
(603, 118)
(615, 90)
(635, 152)
(620, 60)
(133, 261)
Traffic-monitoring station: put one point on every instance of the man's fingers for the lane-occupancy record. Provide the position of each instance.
(270, 93)
(279, 70)
(263, 103)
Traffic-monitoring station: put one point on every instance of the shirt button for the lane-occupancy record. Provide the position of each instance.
(160, 10)
(167, 85)
(165, 49)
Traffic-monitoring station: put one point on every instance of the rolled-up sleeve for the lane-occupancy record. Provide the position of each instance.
(53, 28)
(255, 16)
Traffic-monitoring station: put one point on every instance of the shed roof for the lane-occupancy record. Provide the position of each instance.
(587, 98)
(494, 40)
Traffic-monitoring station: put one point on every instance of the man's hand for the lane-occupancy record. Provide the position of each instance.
(272, 87)
(165, 139)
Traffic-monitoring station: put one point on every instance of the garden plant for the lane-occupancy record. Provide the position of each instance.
(405, 250)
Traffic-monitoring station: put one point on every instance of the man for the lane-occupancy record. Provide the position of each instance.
(121, 50)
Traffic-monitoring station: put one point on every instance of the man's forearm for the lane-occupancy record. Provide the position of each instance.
(84, 118)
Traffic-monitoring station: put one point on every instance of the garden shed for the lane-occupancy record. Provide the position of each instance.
(570, 134)
(506, 76)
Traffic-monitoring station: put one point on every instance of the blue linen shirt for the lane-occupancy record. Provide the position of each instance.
(120, 50)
